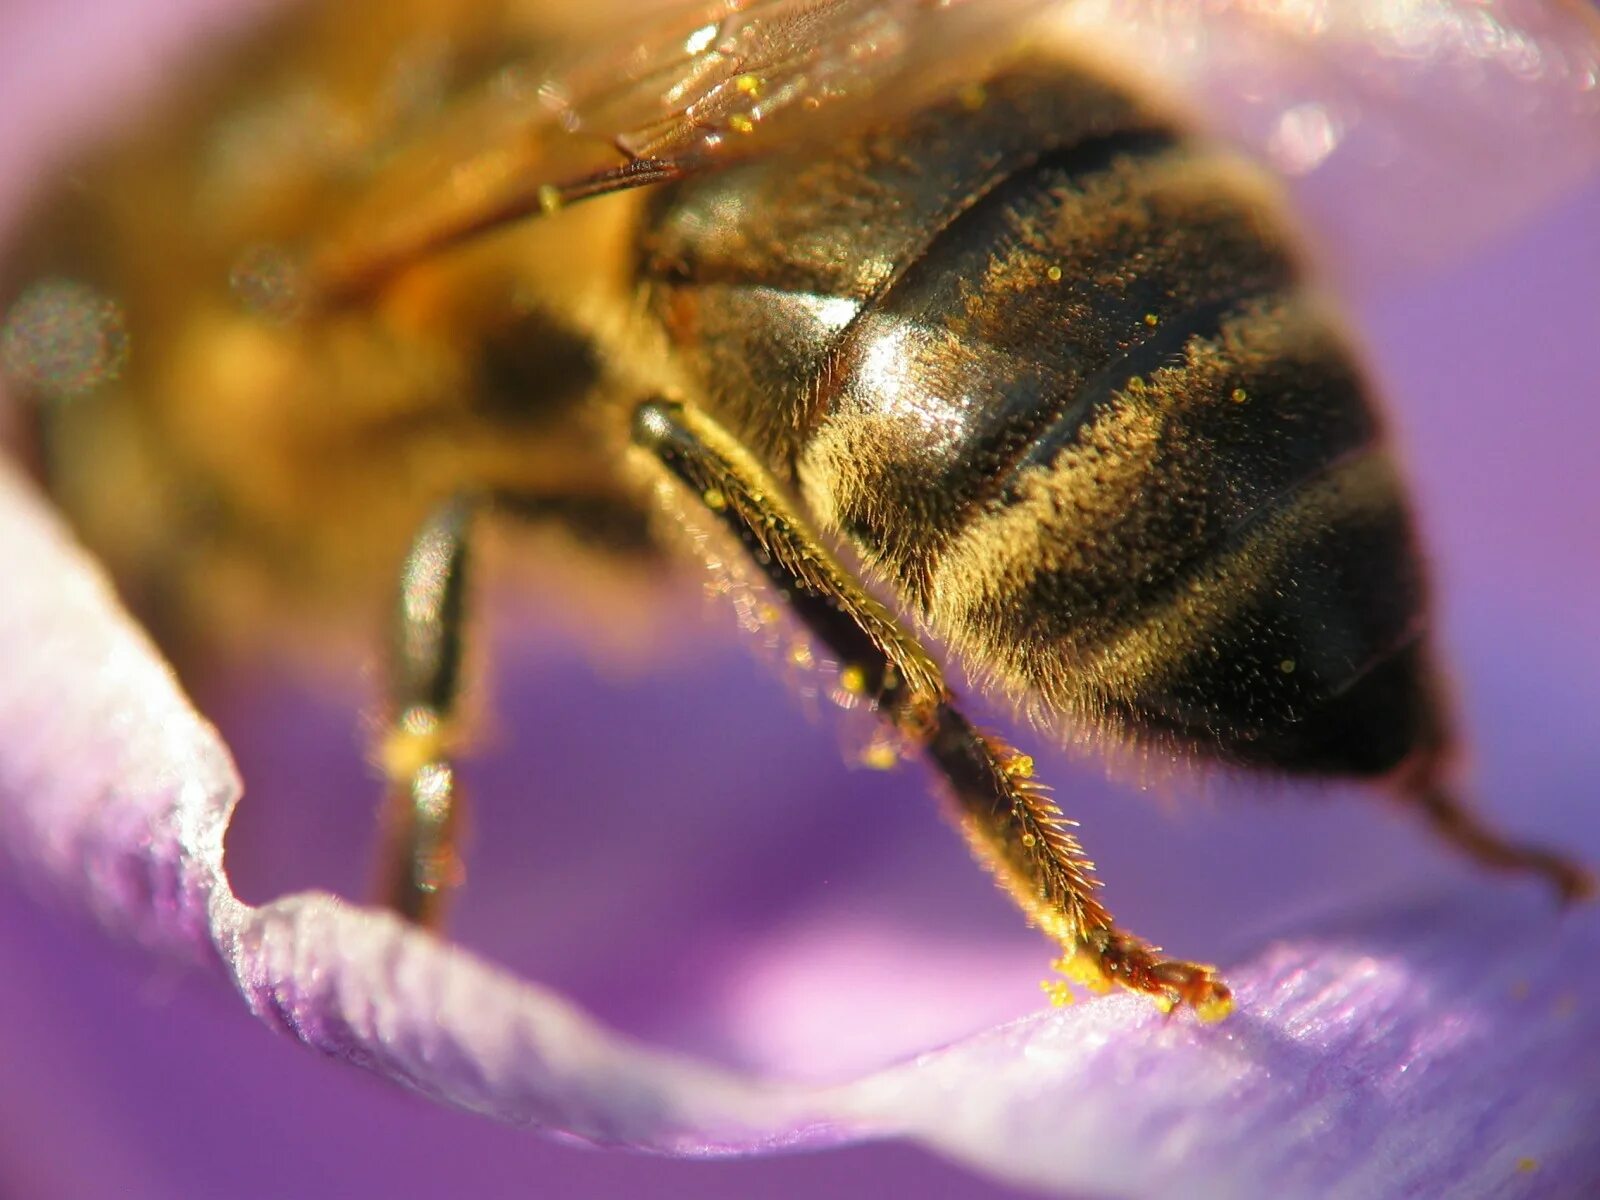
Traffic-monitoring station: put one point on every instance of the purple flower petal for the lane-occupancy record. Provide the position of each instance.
(1423, 1045)
(1426, 1039)
(117, 788)
(1376, 111)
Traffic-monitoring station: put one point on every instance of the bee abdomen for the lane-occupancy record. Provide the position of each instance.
(1050, 369)
(1221, 557)
(1083, 273)
(1100, 436)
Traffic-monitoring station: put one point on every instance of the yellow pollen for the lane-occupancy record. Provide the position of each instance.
(880, 756)
(740, 123)
(1083, 968)
(1151, 319)
(853, 680)
(1239, 395)
(1053, 274)
(411, 746)
(750, 85)
(1059, 991)
(549, 199)
(714, 499)
(1287, 666)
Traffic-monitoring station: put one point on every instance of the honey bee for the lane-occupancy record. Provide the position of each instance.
(931, 288)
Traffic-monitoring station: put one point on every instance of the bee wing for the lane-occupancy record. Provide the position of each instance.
(1407, 130)
(1408, 127)
(709, 82)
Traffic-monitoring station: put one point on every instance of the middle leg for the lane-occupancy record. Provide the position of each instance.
(421, 862)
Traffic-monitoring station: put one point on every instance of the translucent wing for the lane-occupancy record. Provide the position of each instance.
(1407, 130)
(708, 82)
(1408, 127)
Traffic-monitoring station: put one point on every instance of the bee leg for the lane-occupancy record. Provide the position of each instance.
(420, 862)
(1008, 819)
(1427, 787)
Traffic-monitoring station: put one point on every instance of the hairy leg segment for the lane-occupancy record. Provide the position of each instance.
(1007, 817)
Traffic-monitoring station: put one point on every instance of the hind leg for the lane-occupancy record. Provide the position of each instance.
(1427, 787)
(1009, 821)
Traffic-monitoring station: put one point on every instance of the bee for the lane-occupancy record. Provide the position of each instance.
(927, 314)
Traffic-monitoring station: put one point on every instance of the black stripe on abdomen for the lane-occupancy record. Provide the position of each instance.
(1222, 559)
(1317, 663)
(1164, 348)
(1075, 277)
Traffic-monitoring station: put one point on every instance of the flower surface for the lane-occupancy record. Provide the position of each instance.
(744, 948)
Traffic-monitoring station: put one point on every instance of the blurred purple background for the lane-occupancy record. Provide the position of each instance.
(779, 910)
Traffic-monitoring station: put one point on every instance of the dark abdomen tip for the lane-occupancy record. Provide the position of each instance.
(1367, 729)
